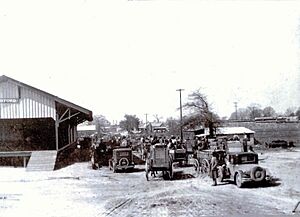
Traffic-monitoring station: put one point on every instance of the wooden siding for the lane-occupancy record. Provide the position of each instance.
(30, 103)
(9, 91)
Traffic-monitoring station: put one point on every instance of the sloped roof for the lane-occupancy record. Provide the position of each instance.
(157, 124)
(87, 112)
(229, 131)
(233, 130)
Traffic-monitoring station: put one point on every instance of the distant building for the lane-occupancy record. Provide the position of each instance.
(158, 127)
(85, 130)
(192, 132)
(153, 128)
(232, 133)
(279, 119)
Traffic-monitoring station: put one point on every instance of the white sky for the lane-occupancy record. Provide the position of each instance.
(117, 57)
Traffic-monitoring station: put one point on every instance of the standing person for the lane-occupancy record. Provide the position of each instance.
(244, 144)
(214, 168)
(225, 145)
(124, 142)
(102, 153)
(94, 156)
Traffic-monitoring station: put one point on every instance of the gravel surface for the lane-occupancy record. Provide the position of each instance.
(78, 190)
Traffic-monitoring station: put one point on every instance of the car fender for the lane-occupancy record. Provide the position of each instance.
(246, 168)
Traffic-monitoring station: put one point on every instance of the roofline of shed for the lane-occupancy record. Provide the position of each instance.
(55, 98)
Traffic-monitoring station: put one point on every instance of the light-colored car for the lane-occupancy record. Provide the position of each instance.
(243, 167)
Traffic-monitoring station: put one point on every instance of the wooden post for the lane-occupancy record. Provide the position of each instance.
(24, 162)
(56, 131)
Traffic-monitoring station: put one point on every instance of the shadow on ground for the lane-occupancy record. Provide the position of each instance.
(265, 184)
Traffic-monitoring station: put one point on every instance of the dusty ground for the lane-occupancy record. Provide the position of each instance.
(79, 191)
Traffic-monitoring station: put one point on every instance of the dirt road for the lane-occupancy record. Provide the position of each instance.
(79, 191)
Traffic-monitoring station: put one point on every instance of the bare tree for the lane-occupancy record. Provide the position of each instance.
(101, 122)
(254, 111)
(201, 112)
(157, 118)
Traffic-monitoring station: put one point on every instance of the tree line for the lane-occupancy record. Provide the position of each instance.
(255, 111)
(198, 113)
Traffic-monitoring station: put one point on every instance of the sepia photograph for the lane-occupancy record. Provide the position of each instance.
(149, 108)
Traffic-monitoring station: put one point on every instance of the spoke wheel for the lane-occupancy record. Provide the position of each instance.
(196, 168)
(238, 179)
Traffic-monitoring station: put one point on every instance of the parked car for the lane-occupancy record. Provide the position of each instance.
(122, 159)
(243, 167)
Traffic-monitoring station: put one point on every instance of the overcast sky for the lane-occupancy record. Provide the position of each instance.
(117, 57)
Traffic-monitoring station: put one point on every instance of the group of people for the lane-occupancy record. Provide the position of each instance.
(101, 149)
(171, 142)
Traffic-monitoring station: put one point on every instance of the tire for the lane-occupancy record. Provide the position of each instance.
(258, 174)
(124, 161)
(220, 174)
(238, 179)
(201, 146)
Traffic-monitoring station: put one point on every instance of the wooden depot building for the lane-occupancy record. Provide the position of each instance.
(36, 124)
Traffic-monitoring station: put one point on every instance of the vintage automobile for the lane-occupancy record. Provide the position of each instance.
(122, 159)
(243, 167)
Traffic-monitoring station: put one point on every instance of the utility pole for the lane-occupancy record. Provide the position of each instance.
(181, 134)
(146, 122)
(235, 105)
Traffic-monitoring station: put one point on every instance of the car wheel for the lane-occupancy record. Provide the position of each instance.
(238, 179)
(220, 174)
(258, 174)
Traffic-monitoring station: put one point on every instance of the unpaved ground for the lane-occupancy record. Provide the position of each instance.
(79, 191)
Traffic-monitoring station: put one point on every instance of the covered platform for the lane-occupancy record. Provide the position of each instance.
(34, 120)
